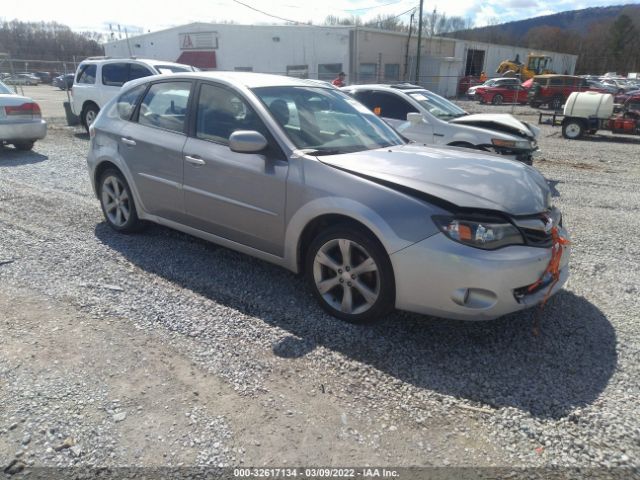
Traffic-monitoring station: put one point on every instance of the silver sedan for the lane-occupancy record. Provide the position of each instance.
(306, 177)
(21, 122)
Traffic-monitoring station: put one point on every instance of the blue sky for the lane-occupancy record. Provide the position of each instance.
(145, 15)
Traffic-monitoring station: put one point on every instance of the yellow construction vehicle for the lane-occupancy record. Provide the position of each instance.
(536, 65)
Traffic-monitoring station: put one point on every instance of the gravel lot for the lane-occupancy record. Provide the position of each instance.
(160, 349)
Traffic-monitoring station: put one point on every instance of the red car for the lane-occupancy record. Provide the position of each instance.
(503, 94)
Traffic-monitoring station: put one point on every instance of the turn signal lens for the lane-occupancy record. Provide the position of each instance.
(488, 235)
(498, 142)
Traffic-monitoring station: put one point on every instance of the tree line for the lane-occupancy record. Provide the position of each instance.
(609, 45)
(612, 44)
(47, 41)
(433, 23)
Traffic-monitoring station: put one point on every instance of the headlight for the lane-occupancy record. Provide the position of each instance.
(520, 144)
(488, 235)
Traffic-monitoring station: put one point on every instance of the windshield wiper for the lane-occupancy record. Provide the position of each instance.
(321, 151)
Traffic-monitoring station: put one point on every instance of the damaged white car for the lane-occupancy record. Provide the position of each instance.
(424, 117)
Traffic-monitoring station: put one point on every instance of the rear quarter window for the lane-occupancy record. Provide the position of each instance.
(115, 74)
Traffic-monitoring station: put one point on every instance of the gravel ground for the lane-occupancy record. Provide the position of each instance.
(93, 319)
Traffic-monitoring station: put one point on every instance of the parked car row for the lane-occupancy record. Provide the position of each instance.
(307, 177)
(551, 90)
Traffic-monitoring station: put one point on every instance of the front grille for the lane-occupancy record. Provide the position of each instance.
(535, 229)
(537, 238)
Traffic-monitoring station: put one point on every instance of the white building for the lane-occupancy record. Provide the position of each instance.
(366, 55)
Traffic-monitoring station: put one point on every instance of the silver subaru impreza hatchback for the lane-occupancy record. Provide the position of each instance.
(306, 177)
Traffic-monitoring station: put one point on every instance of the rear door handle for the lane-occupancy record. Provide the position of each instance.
(128, 141)
(194, 160)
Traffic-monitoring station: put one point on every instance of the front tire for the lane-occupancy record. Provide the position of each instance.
(573, 129)
(497, 100)
(117, 202)
(350, 274)
(556, 103)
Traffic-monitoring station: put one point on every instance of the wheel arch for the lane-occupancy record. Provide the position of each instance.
(109, 162)
(318, 224)
(88, 103)
(317, 214)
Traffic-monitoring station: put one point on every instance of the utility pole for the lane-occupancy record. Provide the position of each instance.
(406, 55)
(419, 41)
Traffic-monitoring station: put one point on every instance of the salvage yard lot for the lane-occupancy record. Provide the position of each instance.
(218, 358)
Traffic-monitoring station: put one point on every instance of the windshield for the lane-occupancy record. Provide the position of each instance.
(326, 120)
(4, 89)
(437, 106)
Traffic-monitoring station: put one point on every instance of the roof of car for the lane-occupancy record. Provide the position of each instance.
(405, 87)
(129, 59)
(555, 75)
(247, 79)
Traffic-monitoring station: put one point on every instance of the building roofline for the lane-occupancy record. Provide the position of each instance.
(348, 28)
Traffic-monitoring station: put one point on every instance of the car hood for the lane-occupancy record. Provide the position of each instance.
(459, 176)
(502, 122)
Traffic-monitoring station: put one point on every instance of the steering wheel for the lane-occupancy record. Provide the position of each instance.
(343, 133)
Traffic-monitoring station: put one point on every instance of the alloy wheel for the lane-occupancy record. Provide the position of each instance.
(115, 201)
(346, 276)
(90, 117)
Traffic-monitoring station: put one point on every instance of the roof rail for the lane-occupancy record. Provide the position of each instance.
(405, 85)
(103, 57)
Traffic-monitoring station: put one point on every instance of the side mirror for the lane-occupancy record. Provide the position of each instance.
(247, 141)
(414, 118)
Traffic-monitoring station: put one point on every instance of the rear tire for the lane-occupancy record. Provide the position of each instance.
(89, 114)
(555, 103)
(573, 129)
(24, 146)
(117, 202)
(497, 99)
(350, 274)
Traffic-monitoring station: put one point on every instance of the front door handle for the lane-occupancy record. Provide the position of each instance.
(128, 141)
(195, 160)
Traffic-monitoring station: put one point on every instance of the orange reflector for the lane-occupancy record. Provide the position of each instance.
(464, 231)
(377, 111)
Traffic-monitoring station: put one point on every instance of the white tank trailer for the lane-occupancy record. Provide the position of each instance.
(588, 112)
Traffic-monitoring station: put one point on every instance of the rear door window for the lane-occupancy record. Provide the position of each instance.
(115, 74)
(87, 74)
(165, 106)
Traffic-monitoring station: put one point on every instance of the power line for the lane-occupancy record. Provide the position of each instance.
(265, 13)
(412, 9)
(372, 7)
(344, 10)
